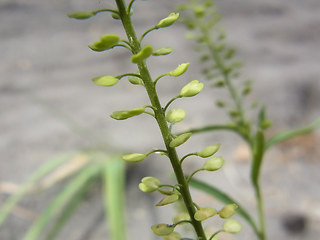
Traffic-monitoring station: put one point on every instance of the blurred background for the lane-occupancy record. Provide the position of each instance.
(49, 106)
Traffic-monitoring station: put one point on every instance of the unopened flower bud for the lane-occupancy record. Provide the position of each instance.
(232, 226)
(204, 213)
(144, 53)
(106, 42)
(181, 69)
(105, 80)
(162, 229)
(122, 115)
(175, 115)
(80, 15)
(162, 51)
(135, 80)
(228, 210)
(172, 236)
(166, 22)
(134, 157)
(213, 164)
(191, 89)
(208, 151)
(181, 139)
(149, 184)
(168, 200)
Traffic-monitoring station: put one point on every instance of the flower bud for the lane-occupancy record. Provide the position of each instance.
(135, 80)
(106, 42)
(162, 229)
(213, 164)
(175, 115)
(204, 213)
(232, 226)
(149, 184)
(166, 22)
(228, 210)
(172, 236)
(105, 80)
(168, 200)
(208, 151)
(191, 89)
(80, 15)
(144, 53)
(181, 139)
(134, 157)
(122, 115)
(162, 51)
(181, 69)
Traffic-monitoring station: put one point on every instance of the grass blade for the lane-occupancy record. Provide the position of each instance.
(293, 133)
(42, 171)
(61, 201)
(258, 151)
(223, 197)
(113, 193)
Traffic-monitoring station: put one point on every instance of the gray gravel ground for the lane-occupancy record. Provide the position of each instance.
(45, 71)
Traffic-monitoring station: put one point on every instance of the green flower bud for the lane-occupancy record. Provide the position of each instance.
(172, 236)
(135, 80)
(208, 151)
(144, 53)
(122, 115)
(134, 157)
(162, 229)
(175, 115)
(232, 226)
(168, 200)
(199, 11)
(204, 213)
(105, 80)
(106, 42)
(181, 217)
(149, 184)
(181, 69)
(166, 22)
(80, 15)
(115, 16)
(162, 51)
(181, 139)
(191, 89)
(213, 164)
(228, 210)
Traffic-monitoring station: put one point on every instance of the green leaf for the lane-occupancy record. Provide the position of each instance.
(61, 200)
(293, 133)
(113, 195)
(29, 183)
(223, 197)
(258, 151)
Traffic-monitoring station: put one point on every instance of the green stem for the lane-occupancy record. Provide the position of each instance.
(262, 230)
(160, 117)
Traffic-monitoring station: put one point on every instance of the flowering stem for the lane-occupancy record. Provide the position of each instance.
(160, 118)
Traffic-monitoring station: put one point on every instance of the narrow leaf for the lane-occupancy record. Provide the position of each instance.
(113, 194)
(258, 151)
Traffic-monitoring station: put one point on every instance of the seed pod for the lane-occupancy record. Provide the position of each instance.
(162, 229)
(181, 217)
(181, 69)
(228, 210)
(134, 157)
(181, 139)
(149, 184)
(122, 115)
(191, 89)
(213, 164)
(168, 200)
(162, 51)
(166, 22)
(232, 226)
(80, 15)
(175, 115)
(172, 236)
(208, 151)
(204, 213)
(135, 80)
(144, 53)
(105, 80)
(106, 42)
